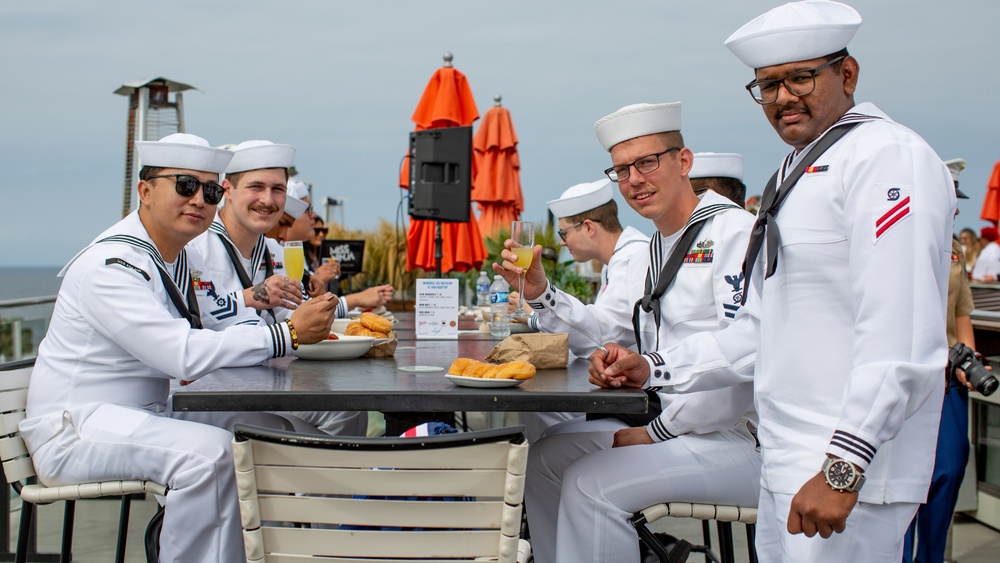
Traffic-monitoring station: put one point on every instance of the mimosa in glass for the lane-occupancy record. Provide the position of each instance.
(295, 261)
(523, 235)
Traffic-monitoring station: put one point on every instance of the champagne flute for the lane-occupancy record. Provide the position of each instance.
(523, 235)
(295, 261)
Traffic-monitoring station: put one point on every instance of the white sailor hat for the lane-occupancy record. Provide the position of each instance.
(255, 155)
(294, 198)
(637, 120)
(581, 198)
(717, 165)
(955, 166)
(797, 31)
(185, 151)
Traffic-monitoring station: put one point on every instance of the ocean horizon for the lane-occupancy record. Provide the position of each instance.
(22, 282)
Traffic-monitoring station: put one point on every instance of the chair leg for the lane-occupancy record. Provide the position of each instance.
(646, 536)
(726, 542)
(123, 528)
(66, 552)
(752, 542)
(152, 537)
(706, 534)
(24, 528)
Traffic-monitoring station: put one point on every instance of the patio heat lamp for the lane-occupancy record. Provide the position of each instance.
(155, 110)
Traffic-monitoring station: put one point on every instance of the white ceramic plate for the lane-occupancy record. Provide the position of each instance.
(345, 348)
(464, 381)
(340, 325)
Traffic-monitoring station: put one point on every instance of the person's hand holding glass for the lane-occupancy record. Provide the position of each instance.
(530, 273)
(522, 236)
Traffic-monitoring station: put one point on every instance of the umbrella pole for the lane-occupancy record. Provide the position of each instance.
(437, 247)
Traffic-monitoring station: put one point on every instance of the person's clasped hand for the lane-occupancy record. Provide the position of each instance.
(617, 366)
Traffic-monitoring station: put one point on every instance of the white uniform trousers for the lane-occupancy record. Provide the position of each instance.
(202, 517)
(537, 423)
(581, 492)
(334, 423)
(874, 533)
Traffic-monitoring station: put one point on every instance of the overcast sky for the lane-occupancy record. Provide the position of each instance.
(340, 81)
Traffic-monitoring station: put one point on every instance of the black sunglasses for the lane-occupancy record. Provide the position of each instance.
(187, 186)
(321, 230)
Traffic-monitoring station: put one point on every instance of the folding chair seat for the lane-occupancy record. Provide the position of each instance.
(20, 473)
(454, 497)
(723, 515)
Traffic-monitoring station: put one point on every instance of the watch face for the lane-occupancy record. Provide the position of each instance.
(840, 474)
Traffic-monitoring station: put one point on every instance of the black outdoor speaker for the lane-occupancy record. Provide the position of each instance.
(441, 174)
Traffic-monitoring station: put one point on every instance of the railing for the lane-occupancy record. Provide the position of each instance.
(23, 324)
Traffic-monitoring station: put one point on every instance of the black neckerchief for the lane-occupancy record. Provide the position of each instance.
(765, 228)
(184, 301)
(237, 262)
(650, 301)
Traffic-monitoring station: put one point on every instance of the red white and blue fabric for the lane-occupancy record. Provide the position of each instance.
(428, 429)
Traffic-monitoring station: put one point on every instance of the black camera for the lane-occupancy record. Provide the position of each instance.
(962, 357)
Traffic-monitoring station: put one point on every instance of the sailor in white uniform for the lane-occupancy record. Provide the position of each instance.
(245, 268)
(124, 325)
(721, 172)
(589, 229)
(846, 305)
(588, 476)
(297, 224)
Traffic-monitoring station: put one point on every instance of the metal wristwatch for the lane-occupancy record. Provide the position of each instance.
(842, 475)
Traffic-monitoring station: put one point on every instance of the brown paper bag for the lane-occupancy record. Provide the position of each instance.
(386, 349)
(544, 351)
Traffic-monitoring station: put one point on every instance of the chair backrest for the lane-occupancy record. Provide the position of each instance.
(13, 400)
(453, 497)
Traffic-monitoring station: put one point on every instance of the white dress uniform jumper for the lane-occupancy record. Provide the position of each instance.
(98, 399)
(580, 492)
(848, 334)
(220, 295)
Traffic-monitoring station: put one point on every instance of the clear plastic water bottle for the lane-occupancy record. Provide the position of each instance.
(499, 296)
(483, 290)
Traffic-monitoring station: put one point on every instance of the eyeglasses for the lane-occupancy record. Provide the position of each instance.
(562, 232)
(187, 186)
(321, 230)
(797, 83)
(644, 165)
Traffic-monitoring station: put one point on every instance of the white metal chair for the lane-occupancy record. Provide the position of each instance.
(20, 473)
(723, 515)
(455, 497)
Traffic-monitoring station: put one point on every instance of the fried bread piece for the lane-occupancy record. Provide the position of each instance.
(518, 369)
(475, 369)
(459, 365)
(378, 323)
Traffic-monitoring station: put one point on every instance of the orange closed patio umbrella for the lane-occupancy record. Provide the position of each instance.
(498, 171)
(446, 102)
(991, 204)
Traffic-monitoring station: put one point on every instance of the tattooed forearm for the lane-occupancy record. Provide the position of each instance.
(260, 292)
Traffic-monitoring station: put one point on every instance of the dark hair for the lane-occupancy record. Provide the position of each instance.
(148, 171)
(731, 188)
(606, 215)
(841, 53)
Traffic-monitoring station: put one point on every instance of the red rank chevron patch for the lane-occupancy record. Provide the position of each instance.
(897, 213)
